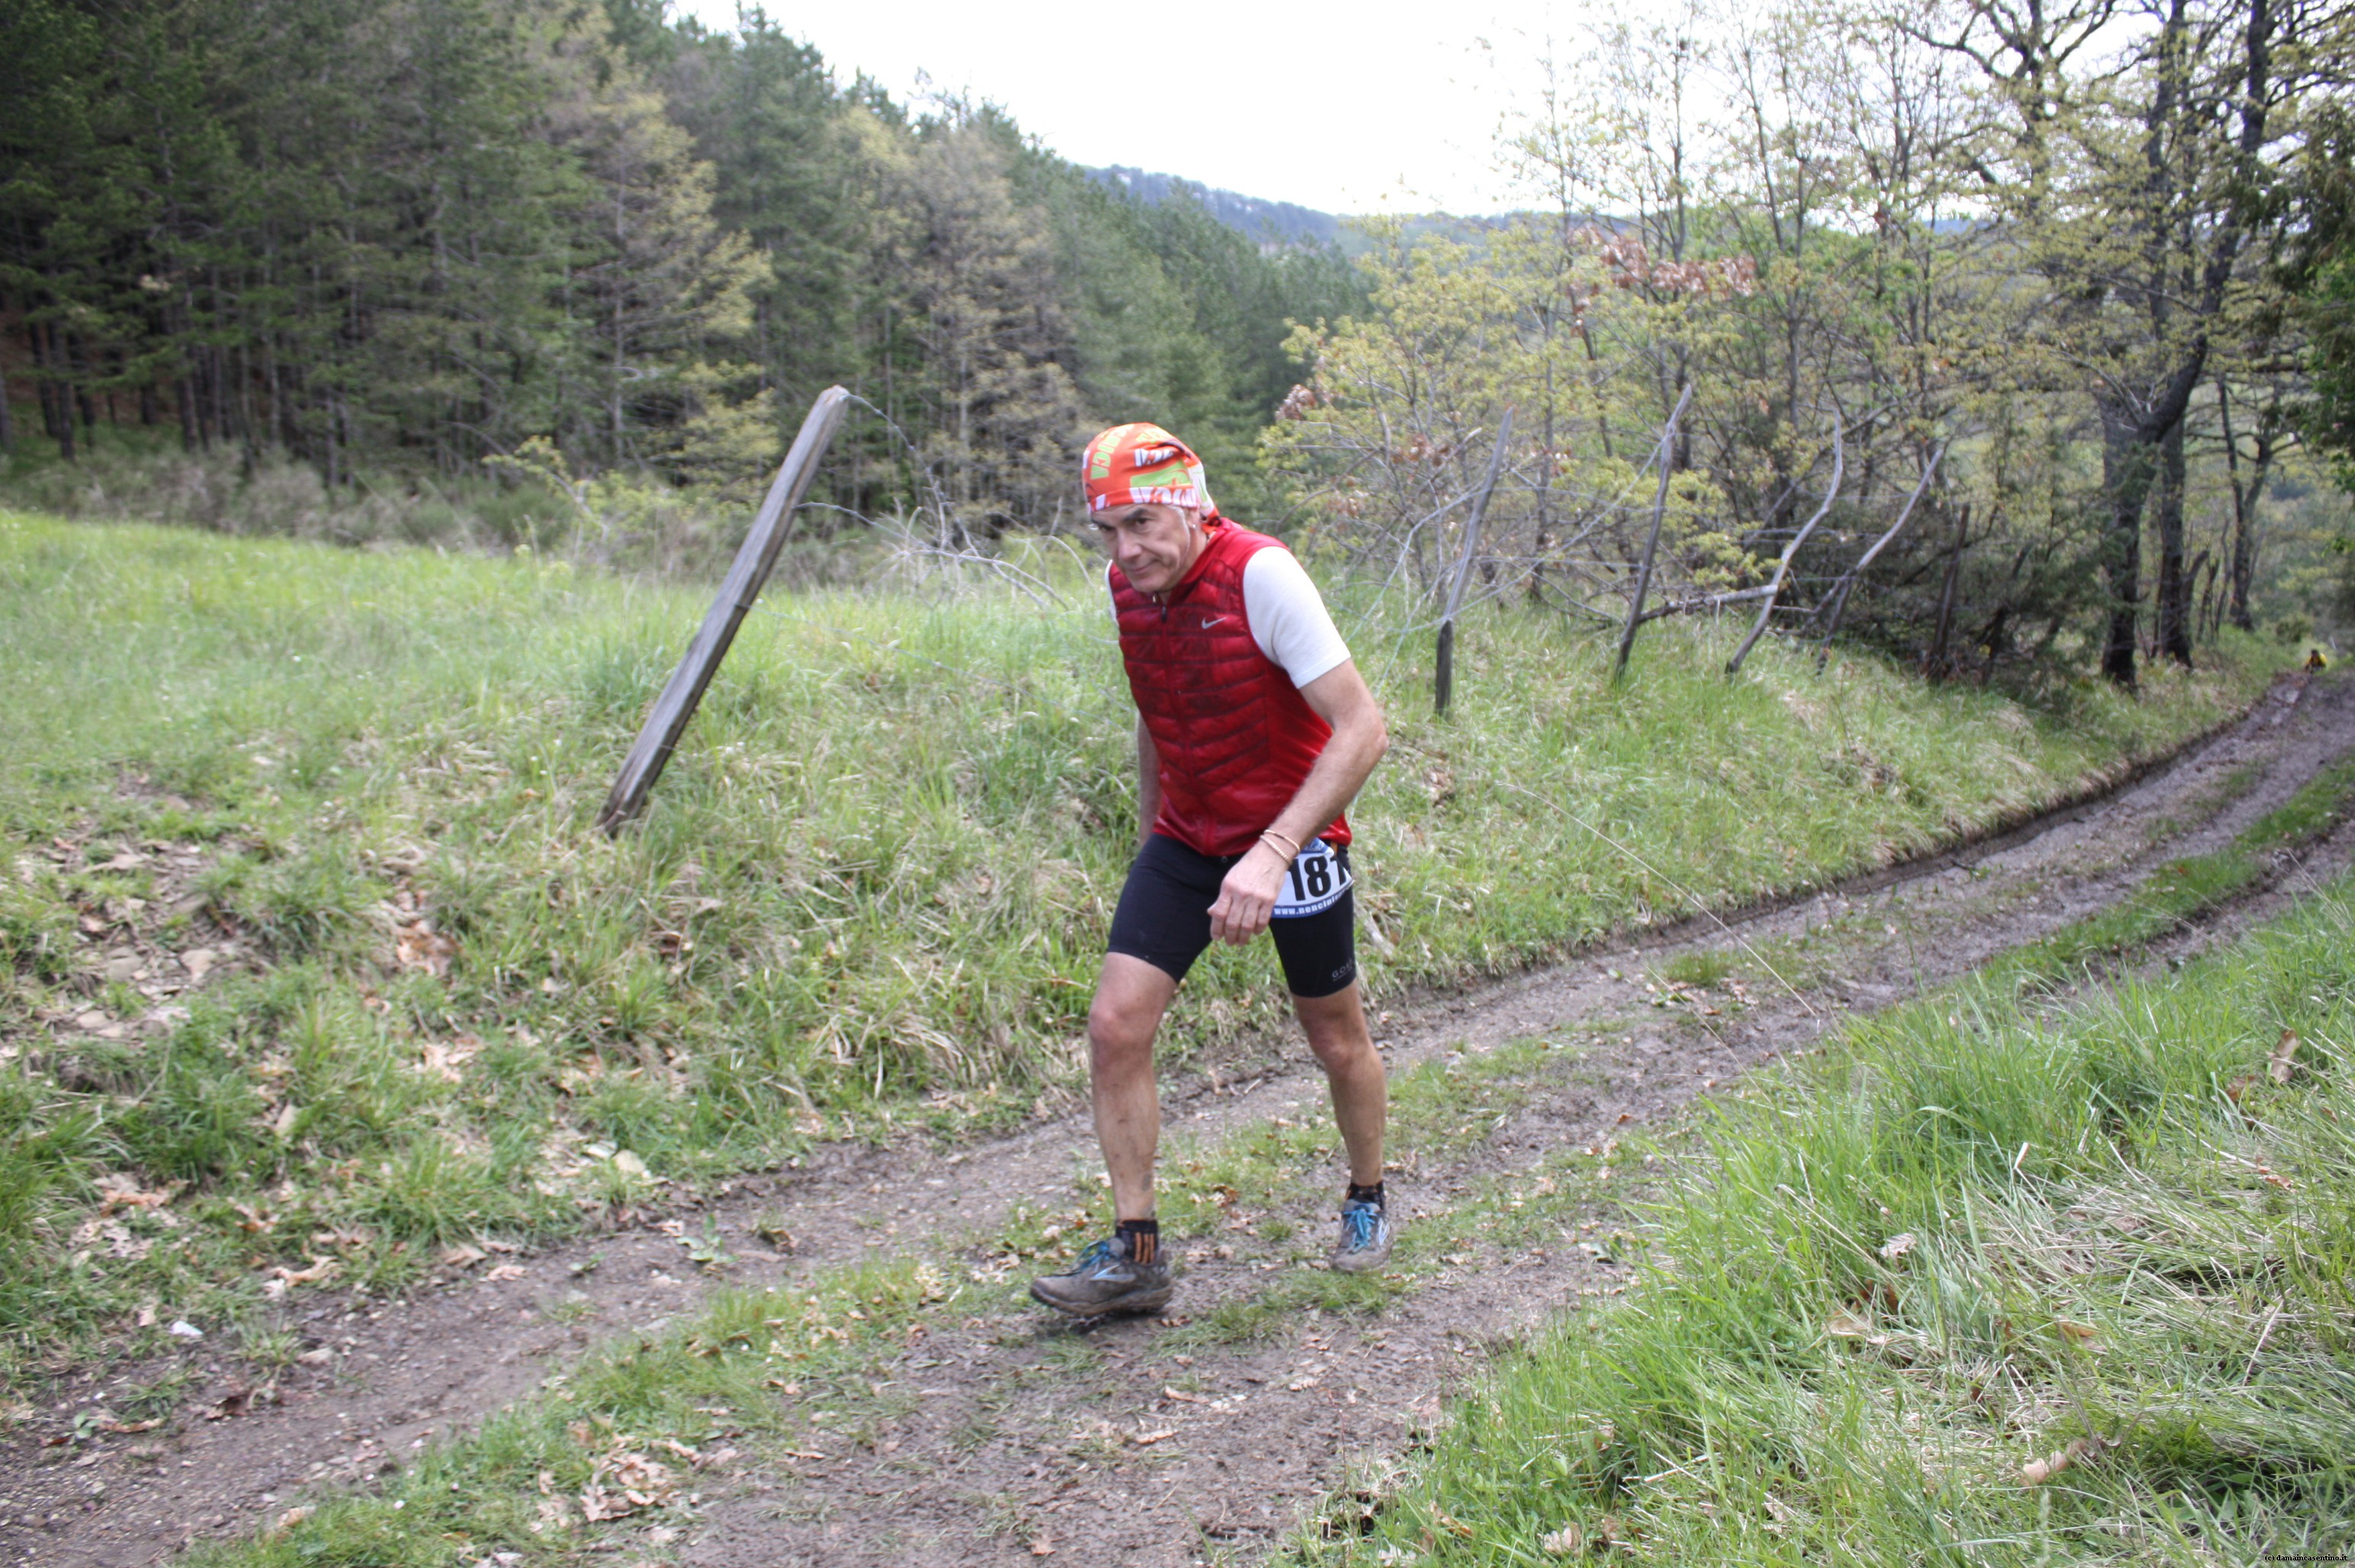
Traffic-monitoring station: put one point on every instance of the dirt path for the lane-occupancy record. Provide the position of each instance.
(1009, 1436)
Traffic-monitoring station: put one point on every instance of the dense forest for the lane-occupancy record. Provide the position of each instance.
(1984, 332)
(421, 236)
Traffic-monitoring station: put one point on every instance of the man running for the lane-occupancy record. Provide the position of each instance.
(1254, 730)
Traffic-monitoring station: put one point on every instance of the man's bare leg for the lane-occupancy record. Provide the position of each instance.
(1131, 996)
(1336, 1026)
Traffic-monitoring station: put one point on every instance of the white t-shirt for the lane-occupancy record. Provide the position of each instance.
(1287, 616)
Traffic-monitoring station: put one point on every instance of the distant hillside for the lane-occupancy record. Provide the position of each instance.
(1268, 222)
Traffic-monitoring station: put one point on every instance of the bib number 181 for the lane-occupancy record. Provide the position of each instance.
(1314, 882)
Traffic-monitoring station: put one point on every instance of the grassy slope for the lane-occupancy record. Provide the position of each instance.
(872, 888)
(1970, 1239)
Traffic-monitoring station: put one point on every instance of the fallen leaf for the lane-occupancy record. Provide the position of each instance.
(1567, 1541)
(127, 1427)
(2283, 1061)
(505, 1272)
(2082, 1333)
(2036, 1472)
(1184, 1398)
(1847, 1325)
(444, 1061)
(284, 1279)
(420, 946)
(624, 1483)
(293, 1517)
(125, 1192)
(200, 962)
(232, 1404)
(1898, 1246)
(1145, 1439)
(462, 1255)
(1041, 1548)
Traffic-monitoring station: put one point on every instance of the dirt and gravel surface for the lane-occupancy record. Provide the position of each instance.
(1007, 1435)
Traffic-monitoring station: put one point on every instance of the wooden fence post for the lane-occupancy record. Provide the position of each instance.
(677, 702)
(1651, 541)
(1443, 675)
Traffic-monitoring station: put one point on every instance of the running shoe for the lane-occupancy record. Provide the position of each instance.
(1366, 1237)
(1105, 1279)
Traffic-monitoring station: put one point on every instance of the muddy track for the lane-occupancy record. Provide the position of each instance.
(1009, 1435)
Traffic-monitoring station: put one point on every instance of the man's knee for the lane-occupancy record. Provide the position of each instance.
(1121, 1022)
(1336, 1027)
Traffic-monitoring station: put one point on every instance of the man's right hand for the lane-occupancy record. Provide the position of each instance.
(1247, 896)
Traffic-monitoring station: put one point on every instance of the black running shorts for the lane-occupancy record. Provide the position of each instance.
(1164, 916)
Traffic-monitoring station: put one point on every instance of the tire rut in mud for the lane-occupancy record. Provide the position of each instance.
(1147, 1442)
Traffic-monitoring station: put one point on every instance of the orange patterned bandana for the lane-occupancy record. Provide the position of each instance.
(1142, 464)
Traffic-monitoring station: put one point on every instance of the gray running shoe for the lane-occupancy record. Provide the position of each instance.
(1366, 1237)
(1105, 1279)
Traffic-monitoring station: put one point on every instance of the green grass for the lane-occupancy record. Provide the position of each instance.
(1966, 1240)
(2184, 890)
(869, 896)
(817, 1367)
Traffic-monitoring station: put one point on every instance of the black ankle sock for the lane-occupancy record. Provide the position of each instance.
(1372, 1195)
(1143, 1239)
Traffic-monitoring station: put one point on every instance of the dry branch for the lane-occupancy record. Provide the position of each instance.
(1782, 566)
(1652, 540)
(1839, 600)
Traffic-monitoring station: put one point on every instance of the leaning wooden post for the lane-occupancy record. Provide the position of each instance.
(1783, 566)
(1443, 677)
(1652, 540)
(677, 702)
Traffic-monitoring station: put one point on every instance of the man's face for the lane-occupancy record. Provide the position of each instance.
(1153, 545)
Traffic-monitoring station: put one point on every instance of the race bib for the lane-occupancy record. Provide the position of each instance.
(1314, 882)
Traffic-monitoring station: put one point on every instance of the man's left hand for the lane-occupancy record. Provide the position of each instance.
(1247, 895)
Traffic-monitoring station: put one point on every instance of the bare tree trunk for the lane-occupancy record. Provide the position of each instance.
(81, 366)
(2244, 505)
(1935, 663)
(2174, 584)
(2126, 481)
(46, 354)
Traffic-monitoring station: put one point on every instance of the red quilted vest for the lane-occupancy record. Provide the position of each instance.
(1236, 738)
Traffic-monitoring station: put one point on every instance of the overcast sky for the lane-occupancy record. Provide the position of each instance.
(1357, 109)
